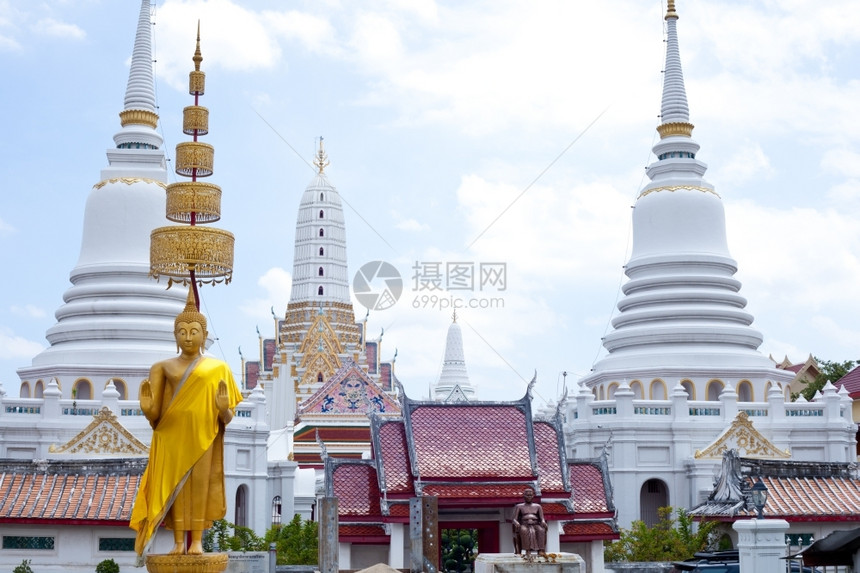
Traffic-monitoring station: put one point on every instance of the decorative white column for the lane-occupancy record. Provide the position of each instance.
(553, 533)
(761, 543)
(395, 547)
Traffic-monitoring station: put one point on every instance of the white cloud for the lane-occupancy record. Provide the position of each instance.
(277, 283)
(17, 347)
(411, 224)
(6, 228)
(231, 37)
(842, 162)
(748, 162)
(28, 310)
(57, 29)
(8, 44)
(314, 33)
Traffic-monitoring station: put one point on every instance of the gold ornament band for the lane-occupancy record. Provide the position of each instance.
(174, 251)
(138, 117)
(191, 155)
(195, 117)
(675, 128)
(186, 197)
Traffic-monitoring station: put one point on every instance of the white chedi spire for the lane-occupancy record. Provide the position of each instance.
(320, 272)
(681, 313)
(454, 385)
(116, 320)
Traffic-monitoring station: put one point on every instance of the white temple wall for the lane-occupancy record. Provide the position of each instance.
(658, 439)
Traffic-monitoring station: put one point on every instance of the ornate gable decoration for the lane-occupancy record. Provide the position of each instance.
(350, 391)
(744, 438)
(104, 436)
(319, 349)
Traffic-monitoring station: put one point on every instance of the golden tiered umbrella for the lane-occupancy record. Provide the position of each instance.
(190, 252)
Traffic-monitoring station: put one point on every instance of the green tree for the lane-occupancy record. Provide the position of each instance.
(107, 566)
(459, 548)
(24, 567)
(296, 542)
(671, 539)
(828, 371)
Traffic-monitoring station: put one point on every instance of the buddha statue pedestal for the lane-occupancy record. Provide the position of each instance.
(507, 563)
(206, 563)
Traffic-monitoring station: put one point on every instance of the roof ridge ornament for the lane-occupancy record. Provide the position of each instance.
(321, 159)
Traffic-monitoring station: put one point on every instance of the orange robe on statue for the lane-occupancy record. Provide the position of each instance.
(187, 444)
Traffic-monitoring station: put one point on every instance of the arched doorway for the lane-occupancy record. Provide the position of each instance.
(241, 513)
(652, 497)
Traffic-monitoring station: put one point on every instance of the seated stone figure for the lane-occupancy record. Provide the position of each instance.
(529, 526)
(188, 400)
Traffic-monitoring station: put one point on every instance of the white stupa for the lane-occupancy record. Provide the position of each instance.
(681, 316)
(454, 385)
(116, 320)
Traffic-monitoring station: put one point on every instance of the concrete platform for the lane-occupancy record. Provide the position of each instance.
(509, 563)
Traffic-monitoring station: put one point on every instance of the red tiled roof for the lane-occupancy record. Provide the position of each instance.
(361, 531)
(812, 498)
(356, 487)
(588, 530)
(395, 458)
(308, 434)
(474, 491)
(75, 493)
(554, 508)
(546, 446)
(589, 493)
(471, 442)
(851, 381)
(398, 510)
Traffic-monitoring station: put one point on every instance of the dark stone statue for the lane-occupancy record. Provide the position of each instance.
(529, 527)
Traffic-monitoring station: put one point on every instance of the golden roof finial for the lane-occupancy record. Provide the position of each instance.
(321, 160)
(198, 56)
(670, 12)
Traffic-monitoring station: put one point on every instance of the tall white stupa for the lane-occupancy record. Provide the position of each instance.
(681, 316)
(116, 321)
(319, 332)
(453, 384)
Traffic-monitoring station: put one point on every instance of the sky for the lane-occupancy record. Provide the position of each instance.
(459, 132)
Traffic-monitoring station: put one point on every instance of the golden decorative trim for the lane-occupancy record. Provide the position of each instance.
(104, 435)
(191, 155)
(670, 12)
(195, 118)
(138, 117)
(174, 251)
(744, 438)
(196, 83)
(205, 563)
(674, 188)
(186, 197)
(675, 128)
(129, 181)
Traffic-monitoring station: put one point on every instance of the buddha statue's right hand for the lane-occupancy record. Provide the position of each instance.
(146, 398)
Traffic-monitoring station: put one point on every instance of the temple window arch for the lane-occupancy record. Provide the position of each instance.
(745, 391)
(689, 388)
(276, 510)
(713, 390)
(320, 290)
(82, 389)
(601, 393)
(24, 392)
(322, 214)
(610, 394)
(638, 393)
(319, 377)
(39, 389)
(657, 391)
(787, 392)
(320, 272)
(322, 251)
(322, 232)
(241, 510)
(322, 197)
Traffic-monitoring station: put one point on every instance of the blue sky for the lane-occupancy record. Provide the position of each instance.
(438, 117)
